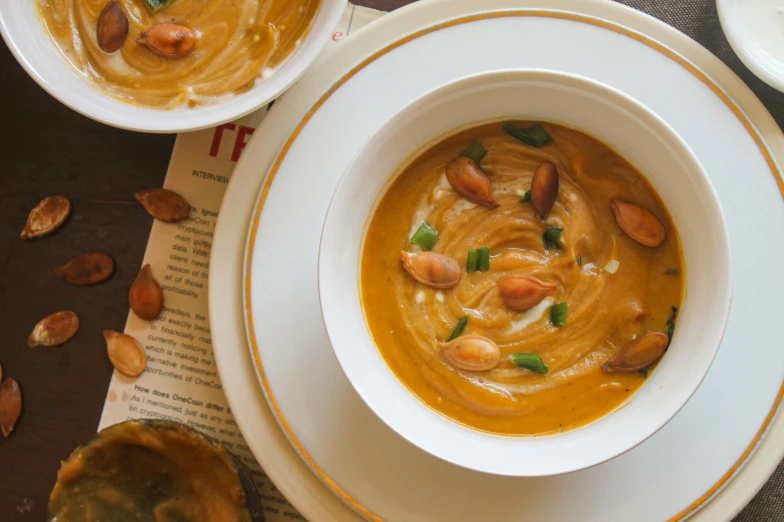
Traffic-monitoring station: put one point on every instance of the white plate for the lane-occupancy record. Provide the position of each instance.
(371, 468)
(612, 118)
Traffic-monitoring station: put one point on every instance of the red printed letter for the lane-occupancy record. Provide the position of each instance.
(216, 139)
(337, 36)
(239, 145)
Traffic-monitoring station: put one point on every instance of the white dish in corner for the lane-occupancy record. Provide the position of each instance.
(755, 30)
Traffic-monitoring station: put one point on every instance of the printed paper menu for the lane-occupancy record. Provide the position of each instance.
(181, 381)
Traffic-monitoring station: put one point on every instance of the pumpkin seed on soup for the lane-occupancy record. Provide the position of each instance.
(112, 27)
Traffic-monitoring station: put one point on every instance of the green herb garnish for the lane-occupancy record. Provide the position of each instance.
(672, 271)
(526, 197)
(425, 237)
(529, 361)
(472, 264)
(484, 259)
(156, 5)
(671, 324)
(579, 261)
(558, 314)
(552, 237)
(474, 150)
(533, 136)
(458, 331)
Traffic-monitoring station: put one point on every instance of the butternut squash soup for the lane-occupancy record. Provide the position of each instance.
(170, 53)
(521, 278)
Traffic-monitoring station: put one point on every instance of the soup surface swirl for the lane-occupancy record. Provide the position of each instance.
(616, 289)
(238, 42)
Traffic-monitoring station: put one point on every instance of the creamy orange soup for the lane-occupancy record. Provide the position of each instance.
(221, 47)
(555, 327)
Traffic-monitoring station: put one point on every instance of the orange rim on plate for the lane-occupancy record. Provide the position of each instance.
(345, 78)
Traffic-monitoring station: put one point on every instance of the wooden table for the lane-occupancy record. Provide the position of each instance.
(48, 149)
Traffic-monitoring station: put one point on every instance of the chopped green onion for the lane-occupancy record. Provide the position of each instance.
(156, 5)
(533, 136)
(474, 150)
(671, 324)
(472, 264)
(458, 331)
(579, 261)
(526, 197)
(552, 237)
(425, 237)
(529, 361)
(484, 259)
(672, 272)
(558, 314)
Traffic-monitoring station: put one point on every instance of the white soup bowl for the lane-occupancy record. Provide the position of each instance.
(636, 134)
(34, 49)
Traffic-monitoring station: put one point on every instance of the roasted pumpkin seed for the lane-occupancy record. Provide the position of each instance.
(639, 353)
(112, 28)
(87, 269)
(544, 188)
(432, 269)
(164, 204)
(638, 223)
(470, 182)
(471, 352)
(523, 292)
(10, 405)
(125, 353)
(54, 329)
(168, 40)
(146, 296)
(47, 216)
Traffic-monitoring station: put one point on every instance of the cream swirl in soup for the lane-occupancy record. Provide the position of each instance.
(237, 43)
(611, 288)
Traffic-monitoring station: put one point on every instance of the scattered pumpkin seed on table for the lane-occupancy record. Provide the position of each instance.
(10, 405)
(164, 204)
(146, 296)
(125, 353)
(54, 330)
(87, 269)
(46, 217)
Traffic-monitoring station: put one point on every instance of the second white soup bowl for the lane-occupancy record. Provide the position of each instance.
(636, 134)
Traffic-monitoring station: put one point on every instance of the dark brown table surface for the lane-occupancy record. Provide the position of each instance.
(47, 149)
